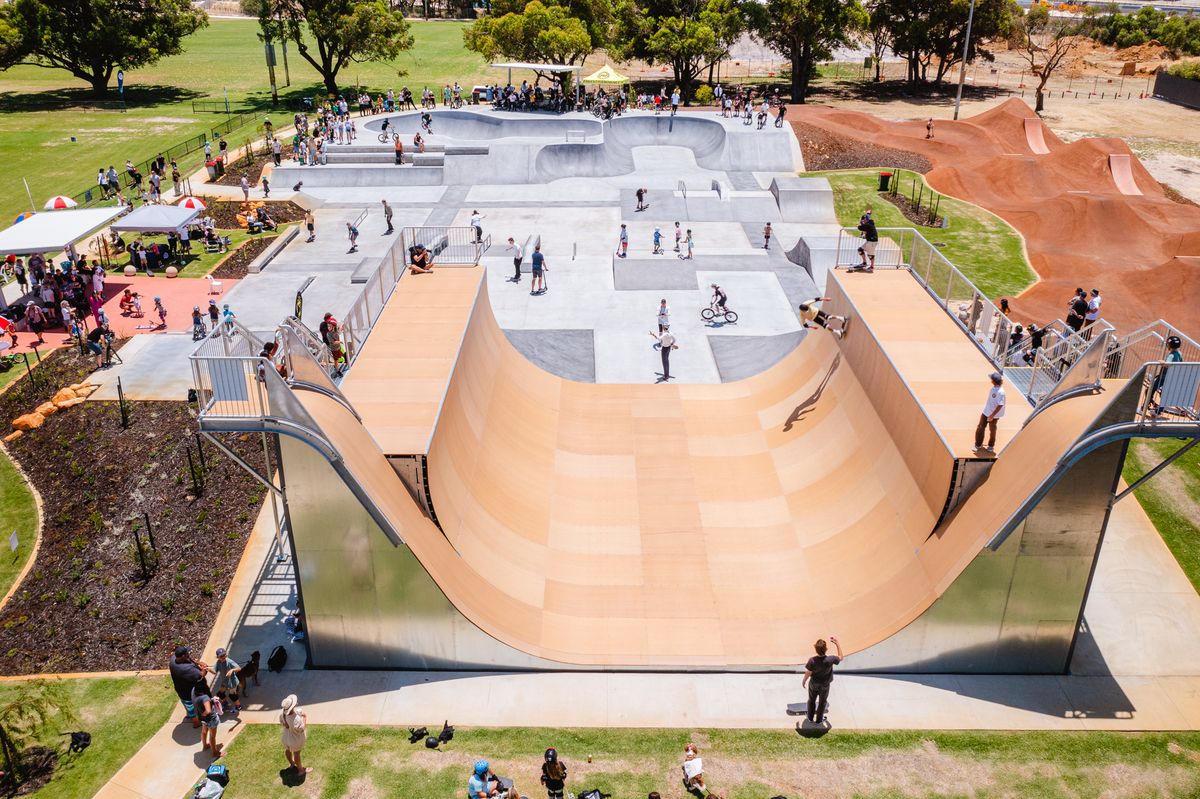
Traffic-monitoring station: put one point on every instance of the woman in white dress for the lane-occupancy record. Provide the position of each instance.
(294, 721)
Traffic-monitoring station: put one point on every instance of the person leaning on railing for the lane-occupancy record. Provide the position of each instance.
(1173, 356)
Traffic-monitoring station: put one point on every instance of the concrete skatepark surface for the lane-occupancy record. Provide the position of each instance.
(1081, 228)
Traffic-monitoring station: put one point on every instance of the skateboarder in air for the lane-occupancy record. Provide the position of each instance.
(812, 317)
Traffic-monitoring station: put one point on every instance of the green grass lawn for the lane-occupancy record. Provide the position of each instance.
(371, 762)
(120, 713)
(17, 511)
(42, 109)
(985, 247)
(1171, 498)
(199, 263)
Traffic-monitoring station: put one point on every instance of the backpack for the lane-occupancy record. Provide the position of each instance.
(278, 659)
(219, 774)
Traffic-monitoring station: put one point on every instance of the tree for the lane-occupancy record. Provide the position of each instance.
(344, 31)
(537, 34)
(807, 31)
(689, 35)
(925, 32)
(26, 717)
(1044, 42)
(92, 39)
(879, 36)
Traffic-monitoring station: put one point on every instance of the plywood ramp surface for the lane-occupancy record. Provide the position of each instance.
(400, 376)
(698, 525)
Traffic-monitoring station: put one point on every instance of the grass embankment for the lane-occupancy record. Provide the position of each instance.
(120, 713)
(985, 247)
(42, 109)
(1171, 498)
(18, 513)
(369, 762)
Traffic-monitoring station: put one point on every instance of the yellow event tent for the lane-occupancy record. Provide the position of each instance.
(607, 75)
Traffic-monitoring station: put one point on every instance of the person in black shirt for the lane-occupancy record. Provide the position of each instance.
(870, 235)
(818, 676)
(554, 775)
(1036, 336)
(1078, 308)
(97, 340)
(185, 674)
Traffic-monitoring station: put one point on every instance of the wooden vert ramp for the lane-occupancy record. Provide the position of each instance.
(700, 526)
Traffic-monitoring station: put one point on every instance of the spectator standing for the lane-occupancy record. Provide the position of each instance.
(294, 721)
(929, 128)
(818, 677)
(554, 775)
(666, 342)
(245, 187)
(1077, 309)
(477, 224)
(185, 673)
(226, 670)
(675, 101)
(208, 708)
(993, 411)
(1093, 311)
(664, 316)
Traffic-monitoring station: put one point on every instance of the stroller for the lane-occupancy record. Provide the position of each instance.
(212, 786)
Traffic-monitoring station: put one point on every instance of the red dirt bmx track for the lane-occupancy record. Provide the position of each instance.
(1142, 252)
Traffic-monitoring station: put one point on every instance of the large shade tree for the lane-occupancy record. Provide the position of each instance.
(689, 36)
(807, 31)
(931, 33)
(340, 32)
(537, 33)
(92, 39)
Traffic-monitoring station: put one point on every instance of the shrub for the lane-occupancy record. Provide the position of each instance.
(704, 95)
(1189, 70)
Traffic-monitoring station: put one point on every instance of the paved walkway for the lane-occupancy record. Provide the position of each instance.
(1135, 668)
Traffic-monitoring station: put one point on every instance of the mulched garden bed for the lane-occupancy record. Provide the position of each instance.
(823, 150)
(234, 267)
(86, 605)
(38, 764)
(224, 212)
(918, 216)
(252, 169)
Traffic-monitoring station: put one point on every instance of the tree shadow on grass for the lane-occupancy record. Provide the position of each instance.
(81, 99)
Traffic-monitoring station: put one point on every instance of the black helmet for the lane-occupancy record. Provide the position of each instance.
(552, 755)
(1174, 342)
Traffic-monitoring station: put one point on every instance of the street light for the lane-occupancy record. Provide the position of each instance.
(962, 71)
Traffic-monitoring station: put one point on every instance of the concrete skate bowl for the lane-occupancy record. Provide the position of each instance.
(1079, 228)
(483, 126)
(714, 147)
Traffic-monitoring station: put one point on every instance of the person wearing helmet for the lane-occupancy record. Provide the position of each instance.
(554, 775)
(161, 310)
(484, 784)
(1174, 343)
(199, 331)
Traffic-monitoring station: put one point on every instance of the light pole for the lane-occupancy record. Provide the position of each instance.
(962, 71)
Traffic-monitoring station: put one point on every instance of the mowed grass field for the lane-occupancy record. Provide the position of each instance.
(352, 762)
(42, 109)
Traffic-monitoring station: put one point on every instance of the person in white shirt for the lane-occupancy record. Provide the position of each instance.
(518, 255)
(1093, 311)
(993, 409)
(666, 342)
(664, 316)
(477, 223)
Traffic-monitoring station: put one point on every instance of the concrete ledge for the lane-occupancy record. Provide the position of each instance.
(803, 199)
(366, 267)
(273, 249)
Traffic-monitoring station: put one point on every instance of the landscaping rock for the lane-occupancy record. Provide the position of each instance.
(29, 421)
(13, 436)
(46, 409)
(62, 395)
(71, 403)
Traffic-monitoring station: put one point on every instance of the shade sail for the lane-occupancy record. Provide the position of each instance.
(156, 218)
(54, 231)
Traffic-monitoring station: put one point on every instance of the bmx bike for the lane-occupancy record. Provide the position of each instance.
(713, 311)
(386, 137)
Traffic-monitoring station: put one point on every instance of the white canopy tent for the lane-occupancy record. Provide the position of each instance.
(157, 219)
(54, 231)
